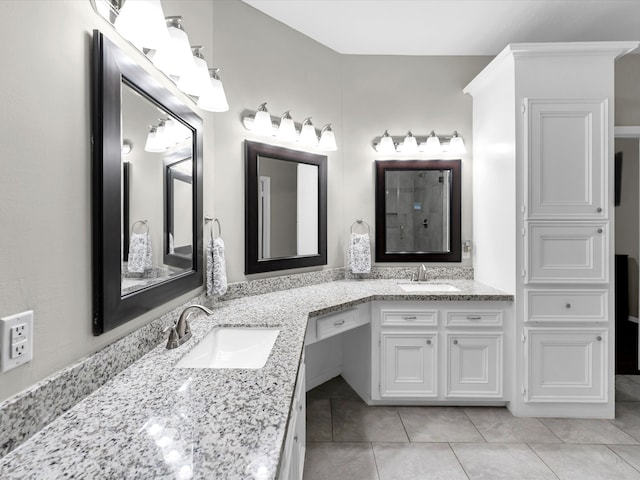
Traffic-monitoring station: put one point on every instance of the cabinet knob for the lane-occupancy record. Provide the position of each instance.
(455, 342)
(568, 305)
(599, 209)
(429, 342)
(474, 317)
(600, 230)
(409, 317)
(599, 338)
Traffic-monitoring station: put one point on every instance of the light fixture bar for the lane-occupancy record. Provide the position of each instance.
(414, 145)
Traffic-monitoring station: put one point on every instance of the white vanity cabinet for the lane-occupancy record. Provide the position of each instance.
(543, 208)
(438, 352)
(292, 462)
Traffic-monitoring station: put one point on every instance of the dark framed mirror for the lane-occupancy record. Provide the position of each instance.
(129, 190)
(418, 211)
(285, 208)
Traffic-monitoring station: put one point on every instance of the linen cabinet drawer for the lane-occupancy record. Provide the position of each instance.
(333, 324)
(567, 305)
(474, 319)
(408, 318)
(567, 253)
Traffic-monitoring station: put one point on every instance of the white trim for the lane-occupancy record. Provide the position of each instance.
(626, 132)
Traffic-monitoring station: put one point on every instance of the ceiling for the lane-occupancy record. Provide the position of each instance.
(452, 27)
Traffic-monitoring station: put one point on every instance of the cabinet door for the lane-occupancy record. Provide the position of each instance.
(474, 365)
(567, 253)
(566, 365)
(408, 365)
(565, 145)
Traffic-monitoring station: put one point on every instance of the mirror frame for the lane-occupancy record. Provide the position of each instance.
(251, 262)
(455, 253)
(110, 68)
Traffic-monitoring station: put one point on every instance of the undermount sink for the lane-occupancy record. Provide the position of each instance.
(232, 347)
(428, 287)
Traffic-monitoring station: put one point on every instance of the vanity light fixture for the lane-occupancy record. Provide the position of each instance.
(195, 80)
(287, 129)
(213, 98)
(432, 144)
(142, 22)
(153, 144)
(174, 57)
(262, 121)
(327, 139)
(308, 136)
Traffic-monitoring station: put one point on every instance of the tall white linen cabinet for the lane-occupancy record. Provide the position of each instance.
(543, 217)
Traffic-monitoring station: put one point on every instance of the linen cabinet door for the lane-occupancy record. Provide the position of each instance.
(408, 365)
(566, 365)
(474, 365)
(565, 144)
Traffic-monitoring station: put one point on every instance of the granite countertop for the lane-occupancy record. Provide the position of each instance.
(155, 421)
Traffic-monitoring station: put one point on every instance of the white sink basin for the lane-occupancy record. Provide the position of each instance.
(232, 347)
(428, 287)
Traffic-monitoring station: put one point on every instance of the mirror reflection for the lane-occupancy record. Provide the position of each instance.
(157, 242)
(287, 209)
(417, 211)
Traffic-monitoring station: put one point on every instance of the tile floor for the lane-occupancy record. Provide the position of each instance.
(348, 440)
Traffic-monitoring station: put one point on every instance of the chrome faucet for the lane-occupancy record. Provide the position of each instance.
(180, 332)
(421, 273)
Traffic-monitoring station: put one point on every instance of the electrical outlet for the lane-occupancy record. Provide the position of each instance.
(16, 340)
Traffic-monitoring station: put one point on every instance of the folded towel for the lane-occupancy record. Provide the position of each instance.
(140, 260)
(216, 268)
(359, 255)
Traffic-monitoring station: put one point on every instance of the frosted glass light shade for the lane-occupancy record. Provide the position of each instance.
(410, 144)
(456, 145)
(308, 136)
(432, 145)
(386, 144)
(196, 80)
(287, 129)
(262, 121)
(142, 23)
(213, 98)
(327, 139)
(175, 57)
(153, 144)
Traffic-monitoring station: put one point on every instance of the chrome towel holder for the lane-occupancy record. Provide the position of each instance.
(360, 222)
(216, 221)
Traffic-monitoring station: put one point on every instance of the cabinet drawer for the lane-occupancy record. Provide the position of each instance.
(409, 318)
(474, 319)
(567, 305)
(567, 253)
(333, 324)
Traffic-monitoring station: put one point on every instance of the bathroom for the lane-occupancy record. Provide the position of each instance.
(46, 259)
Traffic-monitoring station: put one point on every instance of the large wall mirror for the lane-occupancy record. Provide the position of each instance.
(418, 211)
(147, 197)
(285, 208)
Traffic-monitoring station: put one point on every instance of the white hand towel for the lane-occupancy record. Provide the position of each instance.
(359, 255)
(216, 268)
(139, 260)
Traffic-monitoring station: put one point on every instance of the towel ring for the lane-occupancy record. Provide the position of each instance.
(143, 222)
(360, 222)
(215, 220)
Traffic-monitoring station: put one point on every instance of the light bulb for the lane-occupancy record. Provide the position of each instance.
(308, 136)
(153, 145)
(456, 144)
(409, 145)
(327, 139)
(142, 23)
(432, 145)
(386, 144)
(213, 98)
(195, 80)
(287, 129)
(175, 57)
(262, 121)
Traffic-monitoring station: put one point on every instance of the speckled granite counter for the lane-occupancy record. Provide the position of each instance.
(155, 421)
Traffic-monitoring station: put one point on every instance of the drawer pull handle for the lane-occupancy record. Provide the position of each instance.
(600, 230)
(338, 323)
(429, 342)
(474, 317)
(598, 209)
(295, 438)
(455, 342)
(599, 338)
(568, 305)
(409, 317)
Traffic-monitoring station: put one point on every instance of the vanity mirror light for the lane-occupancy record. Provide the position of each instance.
(285, 208)
(147, 212)
(418, 208)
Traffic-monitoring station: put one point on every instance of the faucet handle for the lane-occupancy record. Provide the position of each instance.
(172, 341)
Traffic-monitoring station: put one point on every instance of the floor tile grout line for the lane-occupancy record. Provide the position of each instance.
(406, 432)
(464, 410)
(375, 460)
(542, 460)
(620, 456)
(464, 470)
